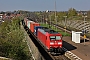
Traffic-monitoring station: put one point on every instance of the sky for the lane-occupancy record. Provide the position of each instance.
(43, 5)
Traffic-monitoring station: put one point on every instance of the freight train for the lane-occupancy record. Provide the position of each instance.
(50, 39)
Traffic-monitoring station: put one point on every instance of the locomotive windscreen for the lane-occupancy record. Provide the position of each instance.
(55, 38)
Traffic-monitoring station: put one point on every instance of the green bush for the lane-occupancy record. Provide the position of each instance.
(11, 44)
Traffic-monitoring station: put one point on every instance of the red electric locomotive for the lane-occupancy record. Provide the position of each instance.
(51, 39)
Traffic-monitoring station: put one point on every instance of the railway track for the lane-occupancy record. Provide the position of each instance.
(61, 57)
(63, 29)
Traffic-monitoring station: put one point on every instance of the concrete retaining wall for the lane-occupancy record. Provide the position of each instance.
(32, 48)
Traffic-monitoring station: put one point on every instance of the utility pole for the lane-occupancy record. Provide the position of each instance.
(46, 16)
(65, 24)
(50, 20)
(84, 29)
(55, 15)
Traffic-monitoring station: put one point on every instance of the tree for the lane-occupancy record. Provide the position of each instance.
(88, 15)
(61, 15)
(72, 12)
(2, 12)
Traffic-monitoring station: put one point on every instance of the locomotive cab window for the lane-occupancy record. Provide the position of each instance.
(55, 37)
(58, 37)
(52, 37)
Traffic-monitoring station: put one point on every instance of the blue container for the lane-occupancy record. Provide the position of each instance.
(36, 29)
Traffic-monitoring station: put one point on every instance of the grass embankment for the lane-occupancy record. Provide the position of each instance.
(56, 29)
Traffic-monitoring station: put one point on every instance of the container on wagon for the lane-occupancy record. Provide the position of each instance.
(28, 23)
(32, 25)
(36, 29)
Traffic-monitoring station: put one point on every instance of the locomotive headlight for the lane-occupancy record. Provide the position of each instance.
(51, 43)
(59, 42)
